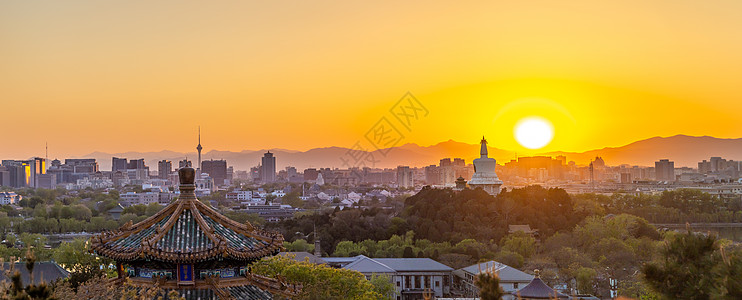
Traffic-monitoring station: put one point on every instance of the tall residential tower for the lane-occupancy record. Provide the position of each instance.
(268, 168)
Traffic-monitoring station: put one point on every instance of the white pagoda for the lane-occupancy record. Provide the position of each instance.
(484, 172)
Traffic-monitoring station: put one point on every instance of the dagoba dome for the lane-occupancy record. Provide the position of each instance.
(484, 172)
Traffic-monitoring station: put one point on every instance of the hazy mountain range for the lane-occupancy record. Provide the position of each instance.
(684, 150)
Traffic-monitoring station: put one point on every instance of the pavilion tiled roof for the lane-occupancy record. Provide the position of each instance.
(187, 231)
(537, 289)
(251, 286)
(46, 272)
(248, 292)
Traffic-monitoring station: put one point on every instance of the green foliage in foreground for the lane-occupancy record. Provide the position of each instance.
(461, 254)
(489, 286)
(17, 290)
(696, 266)
(75, 256)
(324, 282)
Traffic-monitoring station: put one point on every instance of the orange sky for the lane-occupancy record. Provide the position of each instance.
(119, 76)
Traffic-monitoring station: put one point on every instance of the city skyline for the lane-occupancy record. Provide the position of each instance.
(685, 150)
(603, 82)
(354, 149)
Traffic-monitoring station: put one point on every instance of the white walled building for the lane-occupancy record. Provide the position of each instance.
(90, 182)
(7, 198)
(411, 277)
(511, 279)
(240, 196)
(134, 198)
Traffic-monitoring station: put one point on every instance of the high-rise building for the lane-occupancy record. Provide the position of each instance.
(135, 168)
(217, 169)
(432, 175)
(310, 174)
(290, 171)
(535, 166)
(4, 176)
(73, 169)
(136, 164)
(447, 170)
(718, 165)
(292, 175)
(38, 167)
(255, 173)
(17, 173)
(184, 163)
(164, 169)
(82, 165)
(23, 173)
(404, 177)
(118, 164)
(268, 170)
(664, 170)
(625, 177)
(46, 181)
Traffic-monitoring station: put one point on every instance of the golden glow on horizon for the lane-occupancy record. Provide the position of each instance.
(533, 132)
(108, 76)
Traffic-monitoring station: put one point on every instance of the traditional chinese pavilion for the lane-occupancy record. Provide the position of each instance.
(537, 290)
(191, 248)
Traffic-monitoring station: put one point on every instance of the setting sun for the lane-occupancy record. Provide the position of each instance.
(534, 132)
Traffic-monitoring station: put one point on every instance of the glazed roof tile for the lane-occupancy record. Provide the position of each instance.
(537, 289)
(187, 231)
(249, 292)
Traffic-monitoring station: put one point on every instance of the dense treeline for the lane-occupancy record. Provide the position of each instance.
(457, 255)
(440, 215)
(350, 224)
(678, 206)
(447, 215)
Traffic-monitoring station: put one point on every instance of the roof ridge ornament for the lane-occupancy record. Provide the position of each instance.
(175, 235)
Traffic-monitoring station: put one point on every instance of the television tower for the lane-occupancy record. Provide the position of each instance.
(199, 150)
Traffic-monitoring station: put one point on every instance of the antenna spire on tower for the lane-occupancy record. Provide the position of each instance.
(198, 148)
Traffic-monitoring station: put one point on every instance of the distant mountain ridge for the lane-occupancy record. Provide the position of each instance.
(684, 150)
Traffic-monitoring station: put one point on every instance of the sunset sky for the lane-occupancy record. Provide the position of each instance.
(118, 76)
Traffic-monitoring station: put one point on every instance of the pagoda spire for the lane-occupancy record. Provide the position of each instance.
(483, 151)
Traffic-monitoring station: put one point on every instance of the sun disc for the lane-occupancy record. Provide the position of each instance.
(534, 132)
